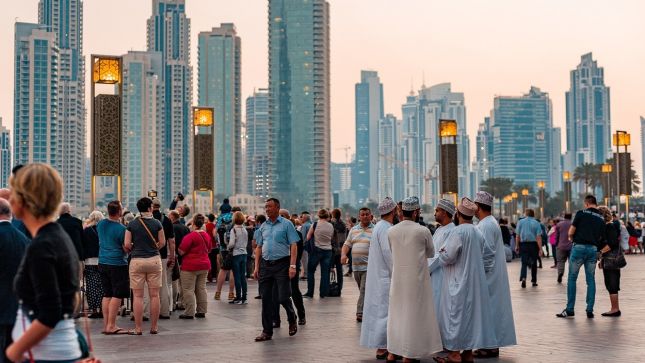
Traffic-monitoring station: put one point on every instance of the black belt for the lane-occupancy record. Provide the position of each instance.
(275, 262)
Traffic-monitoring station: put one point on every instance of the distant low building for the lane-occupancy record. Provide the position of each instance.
(249, 204)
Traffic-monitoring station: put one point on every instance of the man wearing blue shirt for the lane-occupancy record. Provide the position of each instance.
(528, 235)
(275, 264)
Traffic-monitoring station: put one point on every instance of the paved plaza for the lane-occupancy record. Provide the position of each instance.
(332, 334)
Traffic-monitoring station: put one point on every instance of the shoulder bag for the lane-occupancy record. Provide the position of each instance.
(614, 259)
(154, 240)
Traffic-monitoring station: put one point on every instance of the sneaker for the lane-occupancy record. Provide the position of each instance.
(566, 314)
(590, 315)
(523, 284)
(559, 278)
(241, 302)
(234, 301)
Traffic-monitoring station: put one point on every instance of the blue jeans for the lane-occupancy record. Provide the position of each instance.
(582, 255)
(322, 257)
(239, 273)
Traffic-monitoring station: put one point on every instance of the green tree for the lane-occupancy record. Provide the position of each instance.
(498, 188)
(589, 174)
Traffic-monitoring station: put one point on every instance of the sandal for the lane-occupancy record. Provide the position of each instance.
(217, 295)
(231, 296)
(382, 356)
(133, 332)
(154, 332)
(117, 331)
(486, 353)
(263, 337)
(445, 360)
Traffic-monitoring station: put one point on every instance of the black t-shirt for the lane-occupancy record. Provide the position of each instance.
(143, 245)
(168, 231)
(590, 228)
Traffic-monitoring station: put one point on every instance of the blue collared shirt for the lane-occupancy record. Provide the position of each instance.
(528, 229)
(276, 238)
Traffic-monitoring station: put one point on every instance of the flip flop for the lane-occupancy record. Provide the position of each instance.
(118, 331)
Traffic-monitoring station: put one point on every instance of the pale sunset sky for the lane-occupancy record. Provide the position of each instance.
(484, 48)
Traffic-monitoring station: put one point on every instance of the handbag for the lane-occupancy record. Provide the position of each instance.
(614, 259)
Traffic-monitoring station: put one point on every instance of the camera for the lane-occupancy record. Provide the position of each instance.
(180, 196)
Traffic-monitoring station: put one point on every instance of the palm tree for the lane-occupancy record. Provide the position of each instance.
(589, 174)
(498, 188)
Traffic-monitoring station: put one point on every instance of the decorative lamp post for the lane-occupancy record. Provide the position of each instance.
(203, 131)
(525, 198)
(540, 185)
(623, 168)
(566, 176)
(606, 170)
(105, 145)
(514, 199)
(449, 175)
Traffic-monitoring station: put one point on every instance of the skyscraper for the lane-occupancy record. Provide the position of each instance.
(484, 165)
(169, 33)
(257, 143)
(588, 115)
(219, 84)
(522, 131)
(420, 140)
(5, 156)
(369, 111)
(389, 170)
(64, 18)
(299, 108)
(35, 117)
(143, 132)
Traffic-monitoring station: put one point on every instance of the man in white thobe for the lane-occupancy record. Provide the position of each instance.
(377, 289)
(412, 330)
(443, 214)
(496, 277)
(464, 307)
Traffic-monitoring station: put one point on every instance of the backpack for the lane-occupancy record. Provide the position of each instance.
(339, 237)
(224, 226)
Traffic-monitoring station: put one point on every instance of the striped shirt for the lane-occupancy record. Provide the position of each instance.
(358, 239)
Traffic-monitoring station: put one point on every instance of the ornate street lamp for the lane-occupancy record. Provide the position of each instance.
(540, 185)
(449, 175)
(566, 176)
(606, 170)
(624, 168)
(525, 198)
(203, 131)
(105, 145)
(514, 199)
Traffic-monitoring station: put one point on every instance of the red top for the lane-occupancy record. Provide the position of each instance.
(209, 228)
(196, 246)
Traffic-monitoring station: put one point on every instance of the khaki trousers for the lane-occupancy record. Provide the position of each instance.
(193, 286)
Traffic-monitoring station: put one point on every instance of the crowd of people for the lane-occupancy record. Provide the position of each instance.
(440, 290)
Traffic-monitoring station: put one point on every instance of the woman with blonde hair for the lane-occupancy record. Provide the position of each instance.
(92, 277)
(47, 281)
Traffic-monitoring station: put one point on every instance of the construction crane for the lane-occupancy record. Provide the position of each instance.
(347, 149)
(426, 177)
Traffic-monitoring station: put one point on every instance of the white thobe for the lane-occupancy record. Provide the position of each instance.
(412, 329)
(439, 240)
(497, 280)
(464, 307)
(377, 289)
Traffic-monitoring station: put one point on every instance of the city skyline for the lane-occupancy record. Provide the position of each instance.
(476, 65)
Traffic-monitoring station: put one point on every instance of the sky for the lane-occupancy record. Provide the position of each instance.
(484, 48)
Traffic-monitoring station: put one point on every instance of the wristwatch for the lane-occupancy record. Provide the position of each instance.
(292, 266)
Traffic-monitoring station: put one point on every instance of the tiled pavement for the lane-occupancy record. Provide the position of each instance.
(331, 333)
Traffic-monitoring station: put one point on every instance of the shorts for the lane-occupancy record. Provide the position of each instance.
(115, 281)
(144, 270)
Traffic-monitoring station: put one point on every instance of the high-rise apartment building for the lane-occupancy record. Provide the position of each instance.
(369, 111)
(219, 86)
(35, 126)
(421, 143)
(64, 18)
(143, 126)
(299, 102)
(588, 115)
(390, 173)
(5, 156)
(169, 33)
(523, 137)
(484, 165)
(257, 143)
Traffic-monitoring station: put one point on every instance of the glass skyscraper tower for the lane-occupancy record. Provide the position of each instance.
(5, 156)
(169, 33)
(143, 120)
(35, 127)
(299, 109)
(257, 144)
(369, 111)
(219, 86)
(64, 18)
(588, 115)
